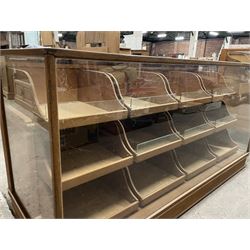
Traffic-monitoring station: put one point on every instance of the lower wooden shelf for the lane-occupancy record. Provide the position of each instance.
(106, 197)
(219, 116)
(176, 202)
(154, 177)
(194, 158)
(221, 144)
(94, 159)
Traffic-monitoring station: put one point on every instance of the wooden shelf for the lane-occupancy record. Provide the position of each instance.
(216, 85)
(143, 106)
(75, 114)
(106, 197)
(155, 177)
(187, 88)
(192, 126)
(221, 144)
(149, 136)
(194, 158)
(219, 116)
(142, 92)
(84, 96)
(183, 197)
(82, 164)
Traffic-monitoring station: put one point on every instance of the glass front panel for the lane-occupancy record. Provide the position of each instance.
(161, 124)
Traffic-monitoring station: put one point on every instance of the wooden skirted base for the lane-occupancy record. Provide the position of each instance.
(182, 198)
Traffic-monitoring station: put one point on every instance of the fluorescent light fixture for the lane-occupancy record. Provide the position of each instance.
(179, 38)
(161, 35)
(213, 33)
(59, 34)
(233, 32)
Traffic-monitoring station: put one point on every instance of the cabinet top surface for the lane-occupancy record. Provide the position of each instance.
(78, 54)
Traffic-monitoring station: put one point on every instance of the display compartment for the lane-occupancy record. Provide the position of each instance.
(154, 177)
(222, 145)
(151, 135)
(218, 115)
(106, 197)
(194, 158)
(142, 92)
(187, 88)
(84, 96)
(216, 85)
(99, 151)
(191, 124)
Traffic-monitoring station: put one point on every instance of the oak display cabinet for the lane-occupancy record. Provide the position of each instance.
(96, 135)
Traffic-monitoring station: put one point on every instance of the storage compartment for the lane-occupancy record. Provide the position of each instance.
(84, 96)
(142, 92)
(106, 197)
(194, 158)
(215, 84)
(155, 177)
(102, 151)
(92, 99)
(150, 135)
(191, 124)
(218, 115)
(187, 88)
(221, 144)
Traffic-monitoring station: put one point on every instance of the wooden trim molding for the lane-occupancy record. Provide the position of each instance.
(54, 134)
(79, 54)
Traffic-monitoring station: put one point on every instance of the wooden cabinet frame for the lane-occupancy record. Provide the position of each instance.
(168, 206)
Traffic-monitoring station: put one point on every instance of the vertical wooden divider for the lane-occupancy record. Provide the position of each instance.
(54, 130)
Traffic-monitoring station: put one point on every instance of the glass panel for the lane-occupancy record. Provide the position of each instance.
(27, 124)
(238, 105)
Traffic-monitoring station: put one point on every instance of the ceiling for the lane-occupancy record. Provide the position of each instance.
(152, 36)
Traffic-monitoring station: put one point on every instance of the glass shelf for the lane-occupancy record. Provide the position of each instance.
(155, 177)
(106, 197)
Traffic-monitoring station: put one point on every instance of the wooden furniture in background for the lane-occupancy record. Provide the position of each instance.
(98, 41)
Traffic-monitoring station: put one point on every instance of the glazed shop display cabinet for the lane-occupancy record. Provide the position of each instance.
(96, 135)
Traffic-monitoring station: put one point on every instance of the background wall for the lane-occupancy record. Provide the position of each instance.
(205, 47)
